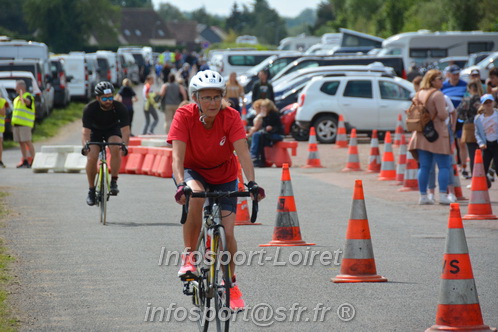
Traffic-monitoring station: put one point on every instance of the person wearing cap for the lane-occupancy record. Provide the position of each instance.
(104, 119)
(486, 131)
(475, 75)
(455, 88)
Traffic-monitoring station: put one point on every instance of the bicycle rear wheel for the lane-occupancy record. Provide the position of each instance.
(222, 281)
(103, 193)
(201, 298)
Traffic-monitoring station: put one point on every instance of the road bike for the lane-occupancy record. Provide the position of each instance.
(103, 179)
(214, 279)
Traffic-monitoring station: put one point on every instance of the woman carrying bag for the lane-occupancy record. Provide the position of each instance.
(439, 149)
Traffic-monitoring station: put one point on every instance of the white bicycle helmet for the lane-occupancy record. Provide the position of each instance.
(206, 79)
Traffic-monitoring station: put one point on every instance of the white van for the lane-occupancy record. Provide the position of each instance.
(424, 47)
(114, 66)
(76, 66)
(226, 62)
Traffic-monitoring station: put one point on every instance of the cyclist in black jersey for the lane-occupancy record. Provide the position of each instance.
(104, 119)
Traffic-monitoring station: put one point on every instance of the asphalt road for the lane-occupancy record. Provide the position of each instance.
(74, 274)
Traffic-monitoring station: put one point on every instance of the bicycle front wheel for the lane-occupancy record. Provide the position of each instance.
(222, 281)
(103, 193)
(201, 298)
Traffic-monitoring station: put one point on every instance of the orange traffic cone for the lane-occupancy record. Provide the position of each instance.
(244, 115)
(341, 140)
(410, 181)
(401, 168)
(457, 186)
(353, 158)
(313, 157)
(358, 263)
(388, 167)
(458, 308)
(399, 131)
(479, 204)
(242, 215)
(286, 232)
(374, 158)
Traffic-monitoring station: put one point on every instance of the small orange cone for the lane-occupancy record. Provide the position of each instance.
(457, 186)
(313, 156)
(353, 158)
(244, 115)
(458, 308)
(286, 232)
(374, 161)
(242, 216)
(401, 168)
(410, 181)
(479, 204)
(388, 167)
(341, 140)
(358, 263)
(399, 131)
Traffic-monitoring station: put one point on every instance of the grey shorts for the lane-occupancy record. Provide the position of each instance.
(227, 203)
(21, 134)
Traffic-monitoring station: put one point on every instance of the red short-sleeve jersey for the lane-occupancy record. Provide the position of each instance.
(209, 151)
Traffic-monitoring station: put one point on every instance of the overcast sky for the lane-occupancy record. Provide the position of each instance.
(287, 8)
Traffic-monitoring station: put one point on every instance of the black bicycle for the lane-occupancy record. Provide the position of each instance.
(214, 279)
(103, 179)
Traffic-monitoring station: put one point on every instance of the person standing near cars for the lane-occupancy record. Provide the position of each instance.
(235, 92)
(23, 121)
(263, 89)
(149, 107)
(104, 119)
(127, 96)
(172, 94)
(440, 148)
(486, 131)
(3, 111)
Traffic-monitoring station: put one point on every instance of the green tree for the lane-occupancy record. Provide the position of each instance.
(235, 21)
(268, 26)
(133, 3)
(11, 16)
(168, 13)
(65, 25)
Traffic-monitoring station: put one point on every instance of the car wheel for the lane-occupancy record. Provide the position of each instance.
(298, 133)
(326, 128)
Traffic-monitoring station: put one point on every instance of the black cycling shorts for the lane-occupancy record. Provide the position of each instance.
(103, 135)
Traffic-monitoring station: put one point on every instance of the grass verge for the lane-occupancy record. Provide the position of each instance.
(7, 321)
(51, 125)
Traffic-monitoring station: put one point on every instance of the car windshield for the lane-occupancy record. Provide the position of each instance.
(291, 84)
(27, 80)
(261, 66)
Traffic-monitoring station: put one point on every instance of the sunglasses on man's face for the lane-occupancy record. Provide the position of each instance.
(107, 98)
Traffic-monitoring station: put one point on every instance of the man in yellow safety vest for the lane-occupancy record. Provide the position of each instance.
(23, 121)
(3, 110)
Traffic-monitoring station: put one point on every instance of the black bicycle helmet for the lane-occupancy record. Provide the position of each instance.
(104, 88)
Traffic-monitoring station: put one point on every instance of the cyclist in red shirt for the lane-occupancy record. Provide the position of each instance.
(204, 136)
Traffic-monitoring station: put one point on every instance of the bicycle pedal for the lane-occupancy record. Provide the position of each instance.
(189, 276)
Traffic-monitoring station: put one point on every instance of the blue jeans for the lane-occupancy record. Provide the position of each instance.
(258, 144)
(443, 163)
(432, 174)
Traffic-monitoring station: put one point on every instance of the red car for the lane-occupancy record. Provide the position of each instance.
(288, 116)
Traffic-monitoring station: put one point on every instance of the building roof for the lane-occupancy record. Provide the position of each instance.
(144, 26)
(185, 32)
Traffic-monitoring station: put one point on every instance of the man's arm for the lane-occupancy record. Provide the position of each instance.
(85, 137)
(183, 92)
(125, 133)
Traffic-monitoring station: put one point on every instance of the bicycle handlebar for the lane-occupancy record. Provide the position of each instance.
(219, 194)
(104, 144)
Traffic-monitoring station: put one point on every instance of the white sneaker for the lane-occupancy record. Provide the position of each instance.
(469, 186)
(452, 197)
(446, 199)
(430, 196)
(425, 200)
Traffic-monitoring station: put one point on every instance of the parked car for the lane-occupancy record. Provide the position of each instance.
(76, 66)
(130, 67)
(491, 61)
(41, 71)
(8, 80)
(475, 58)
(239, 61)
(367, 101)
(272, 65)
(115, 67)
(142, 55)
(60, 80)
(441, 64)
(288, 118)
(94, 74)
(9, 96)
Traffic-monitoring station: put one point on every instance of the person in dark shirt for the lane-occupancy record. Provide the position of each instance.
(267, 130)
(127, 96)
(263, 89)
(104, 119)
